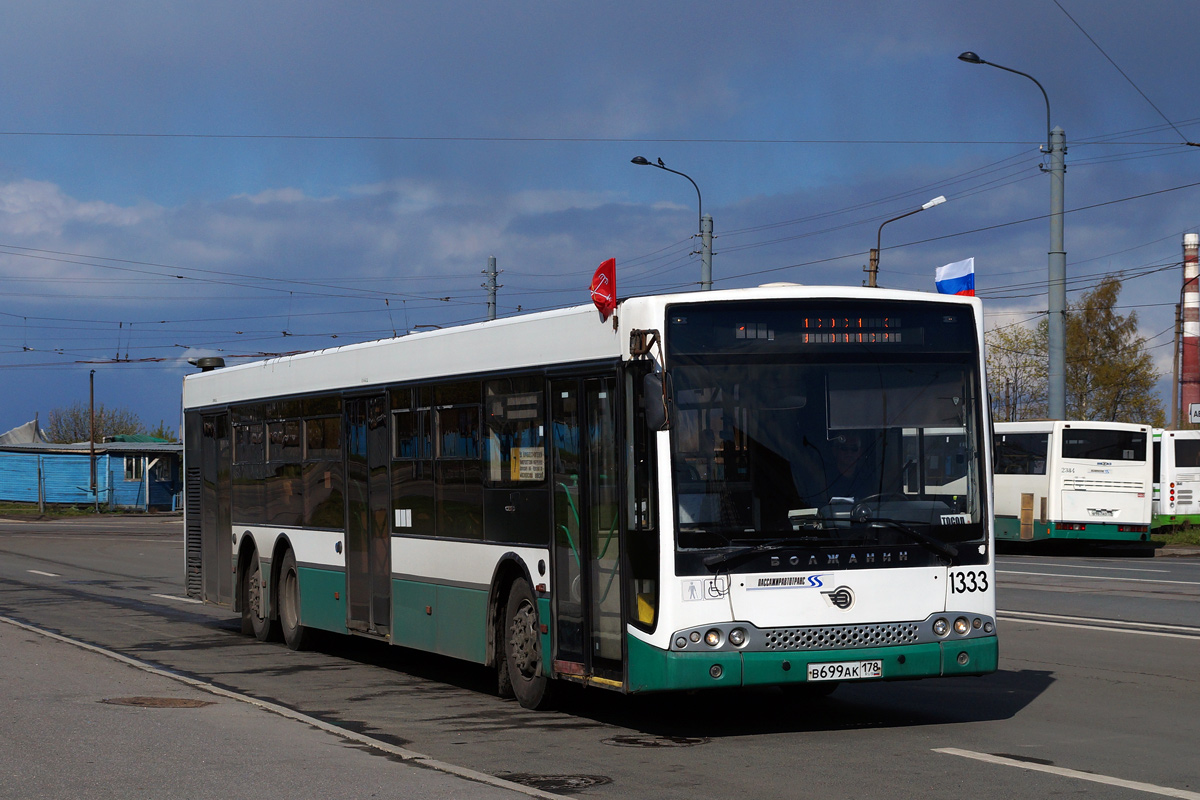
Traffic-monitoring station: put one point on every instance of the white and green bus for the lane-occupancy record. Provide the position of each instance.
(1077, 480)
(777, 486)
(1176, 478)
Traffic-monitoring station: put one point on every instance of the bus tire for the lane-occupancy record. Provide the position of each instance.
(523, 648)
(295, 635)
(504, 684)
(254, 602)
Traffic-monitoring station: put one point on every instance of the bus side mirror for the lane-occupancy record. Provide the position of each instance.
(655, 402)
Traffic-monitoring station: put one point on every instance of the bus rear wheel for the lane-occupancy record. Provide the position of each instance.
(255, 618)
(523, 648)
(295, 635)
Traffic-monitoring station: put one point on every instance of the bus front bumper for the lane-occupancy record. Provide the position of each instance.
(652, 669)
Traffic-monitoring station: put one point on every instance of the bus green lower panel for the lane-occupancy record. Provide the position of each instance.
(1009, 529)
(1167, 520)
(1101, 532)
(440, 619)
(652, 669)
(322, 598)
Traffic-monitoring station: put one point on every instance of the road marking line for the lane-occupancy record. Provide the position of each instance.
(407, 756)
(47, 574)
(1108, 780)
(1103, 622)
(1084, 566)
(176, 598)
(1192, 637)
(1094, 577)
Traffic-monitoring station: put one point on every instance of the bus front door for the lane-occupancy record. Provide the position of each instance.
(587, 556)
(368, 500)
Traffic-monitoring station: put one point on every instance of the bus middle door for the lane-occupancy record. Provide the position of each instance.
(368, 503)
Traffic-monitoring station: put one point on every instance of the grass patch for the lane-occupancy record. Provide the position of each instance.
(1185, 535)
(52, 510)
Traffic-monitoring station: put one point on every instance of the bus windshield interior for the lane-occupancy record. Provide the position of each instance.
(836, 453)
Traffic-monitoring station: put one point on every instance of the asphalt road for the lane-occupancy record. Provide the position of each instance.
(1098, 693)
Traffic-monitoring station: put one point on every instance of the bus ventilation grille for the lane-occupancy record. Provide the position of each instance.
(836, 637)
(192, 534)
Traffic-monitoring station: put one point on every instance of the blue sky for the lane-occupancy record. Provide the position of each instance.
(189, 178)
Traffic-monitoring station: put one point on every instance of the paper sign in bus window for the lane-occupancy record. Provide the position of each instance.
(528, 464)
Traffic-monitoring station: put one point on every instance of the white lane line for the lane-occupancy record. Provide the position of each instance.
(1107, 780)
(47, 574)
(1116, 623)
(403, 754)
(176, 598)
(1083, 566)
(1105, 629)
(1094, 577)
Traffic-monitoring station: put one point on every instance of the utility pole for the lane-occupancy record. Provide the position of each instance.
(491, 286)
(1057, 284)
(92, 437)
(706, 234)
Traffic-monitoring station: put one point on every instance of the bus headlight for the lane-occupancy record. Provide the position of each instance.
(713, 638)
(962, 626)
(737, 637)
(940, 626)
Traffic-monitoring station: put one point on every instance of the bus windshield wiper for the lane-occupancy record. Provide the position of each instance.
(774, 545)
(944, 549)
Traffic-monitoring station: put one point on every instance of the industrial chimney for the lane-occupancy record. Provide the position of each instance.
(1190, 393)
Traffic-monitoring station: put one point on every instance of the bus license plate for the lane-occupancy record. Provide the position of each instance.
(845, 670)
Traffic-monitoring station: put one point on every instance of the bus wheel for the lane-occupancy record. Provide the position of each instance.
(504, 684)
(254, 603)
(294, 634)
(523, 648)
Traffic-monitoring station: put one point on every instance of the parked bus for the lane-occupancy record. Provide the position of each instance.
(1073, 480)
(1176, 478)
(776, 486)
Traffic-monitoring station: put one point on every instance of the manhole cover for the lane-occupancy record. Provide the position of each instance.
(655, 741)
(156, 702)
(557, 783)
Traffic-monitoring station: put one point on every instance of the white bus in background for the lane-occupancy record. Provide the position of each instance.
(781, 486)
(1073, 480)
(1176, 478)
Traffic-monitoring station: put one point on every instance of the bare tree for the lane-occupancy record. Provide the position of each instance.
(72, 423)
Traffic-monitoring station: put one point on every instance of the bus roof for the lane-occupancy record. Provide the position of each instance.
(560, 336)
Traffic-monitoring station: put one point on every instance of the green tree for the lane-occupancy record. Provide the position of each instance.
(1110, 373)
(73, 424)
(1016, 374)
(163, 432)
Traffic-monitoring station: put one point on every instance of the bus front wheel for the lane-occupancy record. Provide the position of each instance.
(523, 648)
(295, 635)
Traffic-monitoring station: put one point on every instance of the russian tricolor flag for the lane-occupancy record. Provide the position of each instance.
(957, 278)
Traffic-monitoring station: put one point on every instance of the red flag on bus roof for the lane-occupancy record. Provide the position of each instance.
(604, 288)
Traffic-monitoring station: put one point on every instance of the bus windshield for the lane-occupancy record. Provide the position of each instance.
(828, 447)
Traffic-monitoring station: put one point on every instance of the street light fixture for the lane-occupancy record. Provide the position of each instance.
(1056, 279)
(706, 224)
(873, 270)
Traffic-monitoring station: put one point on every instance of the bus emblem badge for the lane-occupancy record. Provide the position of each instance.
(841, 597)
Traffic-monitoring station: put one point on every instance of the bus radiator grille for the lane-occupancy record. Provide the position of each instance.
(836, 637)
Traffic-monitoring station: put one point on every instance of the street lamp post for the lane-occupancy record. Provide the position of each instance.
(873, 270)
(1056, 279)
(706, 223)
